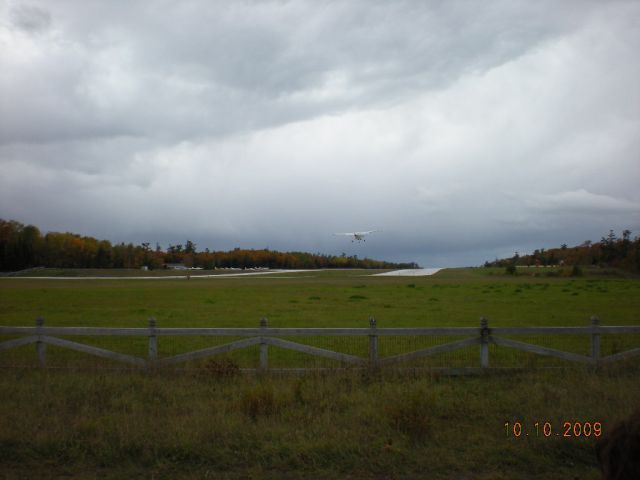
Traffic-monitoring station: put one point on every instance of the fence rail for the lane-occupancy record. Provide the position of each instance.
(266, 336)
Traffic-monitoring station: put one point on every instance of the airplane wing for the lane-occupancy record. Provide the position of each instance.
(351, 234)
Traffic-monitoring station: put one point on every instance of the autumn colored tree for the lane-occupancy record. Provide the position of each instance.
(24, 246)
(610, 251)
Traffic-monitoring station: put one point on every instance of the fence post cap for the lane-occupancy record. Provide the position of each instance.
(484, 323)
(595, 320)
(152, 322)
(263, 322)
(372, 322)
(39, 321)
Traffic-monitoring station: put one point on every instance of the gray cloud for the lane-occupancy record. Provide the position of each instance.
(461, 129)
(29, 18)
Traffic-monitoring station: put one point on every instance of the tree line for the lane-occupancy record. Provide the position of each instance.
(24, 246)
(611, 251)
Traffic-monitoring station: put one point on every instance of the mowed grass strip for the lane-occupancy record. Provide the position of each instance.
(453, 297)
(324, 299)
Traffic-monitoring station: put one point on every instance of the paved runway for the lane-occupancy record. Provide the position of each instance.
(414, 272)
(166, 277)
(418, 272)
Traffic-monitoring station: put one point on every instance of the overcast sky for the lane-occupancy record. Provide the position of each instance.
(463, 130)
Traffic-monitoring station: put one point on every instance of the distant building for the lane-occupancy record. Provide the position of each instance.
(180, 266)
(176, 266)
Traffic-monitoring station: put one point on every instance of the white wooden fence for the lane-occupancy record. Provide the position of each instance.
(264, 336)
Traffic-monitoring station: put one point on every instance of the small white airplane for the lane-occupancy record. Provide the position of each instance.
(359, 236)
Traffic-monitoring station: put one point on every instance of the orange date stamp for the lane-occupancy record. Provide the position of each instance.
(547, 429)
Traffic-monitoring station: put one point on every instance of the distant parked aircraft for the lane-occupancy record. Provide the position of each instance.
(359, 236)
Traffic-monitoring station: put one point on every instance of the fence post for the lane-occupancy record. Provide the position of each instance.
(264, 348)
(41, 347)
(484, 342)
(153, 342)
(373, 343)
(595, 340)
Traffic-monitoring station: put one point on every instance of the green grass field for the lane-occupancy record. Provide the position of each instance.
(345, 298)
(209, 421)
(322, 299)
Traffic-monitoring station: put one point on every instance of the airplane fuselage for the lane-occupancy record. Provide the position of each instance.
(356, 236)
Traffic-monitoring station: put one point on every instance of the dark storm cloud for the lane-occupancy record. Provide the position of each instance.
(30, 18)
(455, 127)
